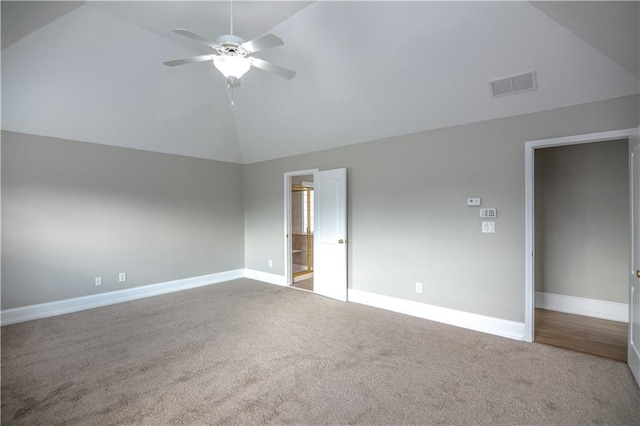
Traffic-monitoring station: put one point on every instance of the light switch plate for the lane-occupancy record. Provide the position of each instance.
(474, 202)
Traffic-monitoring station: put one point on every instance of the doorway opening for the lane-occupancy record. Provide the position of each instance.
(533, 300)
(582, 239)
(299, 228)
(321, 229)
(302, 230)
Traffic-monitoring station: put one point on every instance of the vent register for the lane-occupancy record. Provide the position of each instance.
(513, 84)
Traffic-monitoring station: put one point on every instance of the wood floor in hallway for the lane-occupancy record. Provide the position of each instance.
(583, 334)
(304, 284)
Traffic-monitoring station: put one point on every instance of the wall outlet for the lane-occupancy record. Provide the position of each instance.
(488, 227)
(270, 263)
(418, 287)
(98, 281)
(122, 277)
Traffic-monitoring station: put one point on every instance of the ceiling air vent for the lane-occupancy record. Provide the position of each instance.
(513, 84)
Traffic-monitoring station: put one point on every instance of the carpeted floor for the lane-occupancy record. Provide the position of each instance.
(250, 353)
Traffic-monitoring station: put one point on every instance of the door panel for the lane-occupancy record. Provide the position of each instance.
(330, 239)
(634, 277)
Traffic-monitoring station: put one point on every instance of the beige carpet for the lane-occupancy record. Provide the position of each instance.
(250, 353)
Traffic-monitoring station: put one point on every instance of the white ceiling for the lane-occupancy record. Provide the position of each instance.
(365, 70)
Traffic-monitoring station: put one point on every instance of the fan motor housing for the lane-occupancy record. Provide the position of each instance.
(229, 40)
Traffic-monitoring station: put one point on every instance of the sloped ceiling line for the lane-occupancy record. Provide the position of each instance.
(612, 29)
(366, 71)
(21, 18)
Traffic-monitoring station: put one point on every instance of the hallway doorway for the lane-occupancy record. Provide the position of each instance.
(582, 242)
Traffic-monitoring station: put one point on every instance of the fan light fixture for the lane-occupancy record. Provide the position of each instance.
(232, 66)
(230, 57)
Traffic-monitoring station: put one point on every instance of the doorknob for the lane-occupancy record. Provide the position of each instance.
(638, 274)
(341, 241)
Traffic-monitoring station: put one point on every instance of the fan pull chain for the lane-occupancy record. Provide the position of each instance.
(230, 92)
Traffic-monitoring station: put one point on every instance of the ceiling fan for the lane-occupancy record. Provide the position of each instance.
(231, 55)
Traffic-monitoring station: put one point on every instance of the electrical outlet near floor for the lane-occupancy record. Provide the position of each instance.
(98, 281)
(270, 263)
(418, 287)
(122, 277)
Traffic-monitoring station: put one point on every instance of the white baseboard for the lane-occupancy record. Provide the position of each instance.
(44, 310)
(265, 277)
(496, 326)
(499, 327)
(299, 278)
(581, 306)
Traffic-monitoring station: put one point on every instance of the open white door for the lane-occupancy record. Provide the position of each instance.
(634, 278)
(330, 239)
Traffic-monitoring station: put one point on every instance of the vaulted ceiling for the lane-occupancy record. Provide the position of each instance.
(93, 72)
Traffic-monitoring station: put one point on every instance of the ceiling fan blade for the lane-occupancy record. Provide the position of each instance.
(191, 60)
(193, 36)
(276, 69)
(261, 43)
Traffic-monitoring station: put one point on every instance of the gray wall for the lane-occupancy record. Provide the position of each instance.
(582, 220)
(72, 211)
(408, 219)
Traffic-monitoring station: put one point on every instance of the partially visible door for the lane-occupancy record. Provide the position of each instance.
(330, 239)
(634, 278)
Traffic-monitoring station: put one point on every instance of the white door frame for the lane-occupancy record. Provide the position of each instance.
(529, 240)
(288, 269)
